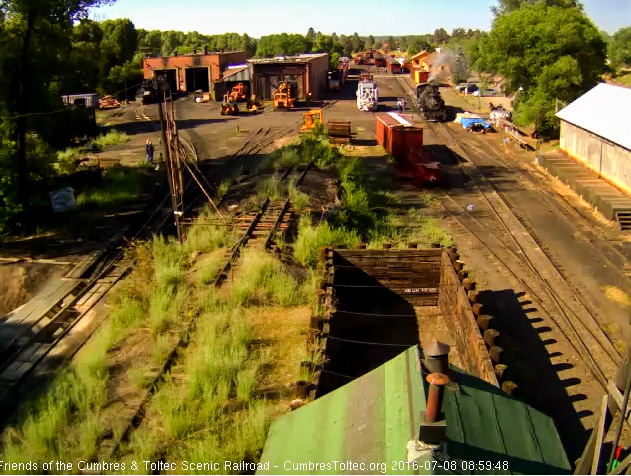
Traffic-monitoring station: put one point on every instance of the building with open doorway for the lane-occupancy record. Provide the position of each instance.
(309, 71)
(195, 72)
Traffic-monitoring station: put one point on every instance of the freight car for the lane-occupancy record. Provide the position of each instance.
(430, 103)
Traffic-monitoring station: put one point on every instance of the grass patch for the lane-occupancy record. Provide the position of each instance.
(429, 199)
(312, 238)
(222, 189)
(161, 348)
(67, 160)
(272, 187)
(74, 396)
(110, 139)
(140, 376)
(263, 279)
(298, 199)
(121, 185)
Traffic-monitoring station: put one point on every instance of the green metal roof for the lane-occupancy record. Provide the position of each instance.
(371, 419)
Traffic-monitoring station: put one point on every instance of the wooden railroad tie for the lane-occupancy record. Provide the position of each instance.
(495, 353)
(509, 387)
(500, 371)
(484, 321)
(490, 335)
(468, 284)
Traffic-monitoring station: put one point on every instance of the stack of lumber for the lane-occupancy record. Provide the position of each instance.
(108, 102)
(340, 131)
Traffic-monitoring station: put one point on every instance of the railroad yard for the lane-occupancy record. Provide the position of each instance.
(188, 352)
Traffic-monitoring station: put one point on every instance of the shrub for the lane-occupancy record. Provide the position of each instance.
(67, 160)
(312, 238)
(113, 137)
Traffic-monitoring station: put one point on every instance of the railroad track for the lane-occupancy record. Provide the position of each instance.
(27, 344)
(515, 244)
(261, 226)
(260, 229)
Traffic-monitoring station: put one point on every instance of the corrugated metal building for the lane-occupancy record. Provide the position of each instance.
(308, 70)
(369, 424)
(86, 99)
(188, 73)
(596, 132)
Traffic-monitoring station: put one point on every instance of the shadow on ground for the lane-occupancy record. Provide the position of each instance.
(524, 342)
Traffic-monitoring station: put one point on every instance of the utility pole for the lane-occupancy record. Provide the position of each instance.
(167, 155)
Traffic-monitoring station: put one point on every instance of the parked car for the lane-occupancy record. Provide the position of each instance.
(469, 88)
(460, 87)
(486, 92)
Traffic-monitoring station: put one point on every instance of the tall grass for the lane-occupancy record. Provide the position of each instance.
(75, 395)
(222, 189)
(312, 238)
(67, 160)
(121, 186)
(109, 139)
(264, 280)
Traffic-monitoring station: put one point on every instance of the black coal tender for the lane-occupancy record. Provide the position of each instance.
(430, 103)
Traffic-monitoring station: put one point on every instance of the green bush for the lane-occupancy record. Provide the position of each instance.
(113, 137)
(67, 160)
(312, 238)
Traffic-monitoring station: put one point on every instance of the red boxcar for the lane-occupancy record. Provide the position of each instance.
(398, 136)
(393, 65)
(404, 142)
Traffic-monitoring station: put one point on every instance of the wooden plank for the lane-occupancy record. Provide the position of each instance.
(616, 395)
(86, 262)
(42, 304)
(600, 435)
(14, 371)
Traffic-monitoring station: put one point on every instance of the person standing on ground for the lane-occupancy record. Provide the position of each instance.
(149, 151)
(400, 106)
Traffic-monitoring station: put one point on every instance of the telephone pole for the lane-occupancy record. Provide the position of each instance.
(160, 87)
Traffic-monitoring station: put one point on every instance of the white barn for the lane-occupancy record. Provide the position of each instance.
(596, 132)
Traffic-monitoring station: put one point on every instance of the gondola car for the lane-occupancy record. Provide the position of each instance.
(430, 103)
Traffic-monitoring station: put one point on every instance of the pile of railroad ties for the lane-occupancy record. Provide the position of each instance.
(108, 102)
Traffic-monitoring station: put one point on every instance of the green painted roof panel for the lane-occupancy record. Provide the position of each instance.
(364, 426)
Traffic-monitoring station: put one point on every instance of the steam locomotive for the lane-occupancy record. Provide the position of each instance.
(430, 103)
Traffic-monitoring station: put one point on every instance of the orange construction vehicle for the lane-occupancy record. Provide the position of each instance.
(285, 97)
(229, 105)
(311, 119)
(238, 92)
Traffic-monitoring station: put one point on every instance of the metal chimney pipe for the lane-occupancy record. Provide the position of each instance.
(437, 384)
(437, 358)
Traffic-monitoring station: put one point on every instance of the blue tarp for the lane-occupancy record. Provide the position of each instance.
(470, 121)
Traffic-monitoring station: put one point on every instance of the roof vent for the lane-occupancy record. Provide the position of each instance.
(436, 358)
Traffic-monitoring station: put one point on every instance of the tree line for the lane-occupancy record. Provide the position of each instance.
(51, 47)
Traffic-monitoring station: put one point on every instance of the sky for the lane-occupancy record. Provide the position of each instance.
(366, 17)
